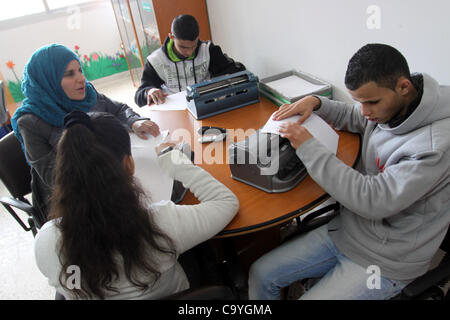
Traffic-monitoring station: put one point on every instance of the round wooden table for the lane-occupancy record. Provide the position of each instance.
(258, 209)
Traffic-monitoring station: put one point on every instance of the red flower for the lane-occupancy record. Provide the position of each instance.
(122, 56)
(95, 57)
(10, 64)
(77, 47)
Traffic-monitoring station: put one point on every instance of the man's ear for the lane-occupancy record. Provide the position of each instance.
(128, 163)
(403, 86)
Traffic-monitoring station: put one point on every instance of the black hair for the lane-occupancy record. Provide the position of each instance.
(185, 27)
(376, 62)
(106, 226)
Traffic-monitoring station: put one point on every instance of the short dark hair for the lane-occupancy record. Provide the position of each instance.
(376, 62)
(185, 27)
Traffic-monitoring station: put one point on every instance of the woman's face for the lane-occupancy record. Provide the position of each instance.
(73, 81)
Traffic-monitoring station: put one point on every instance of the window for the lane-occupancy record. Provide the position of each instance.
(19, 8)
(57, 4)
(24, 8)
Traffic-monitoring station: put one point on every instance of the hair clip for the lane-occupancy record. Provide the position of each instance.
(77, 117)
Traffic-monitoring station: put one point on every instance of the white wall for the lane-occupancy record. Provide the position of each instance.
(320, 36)
(97, 32)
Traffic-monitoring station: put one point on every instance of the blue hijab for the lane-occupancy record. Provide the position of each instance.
(41, 85)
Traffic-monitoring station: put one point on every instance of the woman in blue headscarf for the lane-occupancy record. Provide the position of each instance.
(54, 85)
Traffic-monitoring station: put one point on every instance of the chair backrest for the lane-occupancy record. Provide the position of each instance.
(445, 245)
(14, 170)
(3, 112)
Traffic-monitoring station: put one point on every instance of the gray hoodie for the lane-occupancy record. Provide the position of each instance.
(396, 204)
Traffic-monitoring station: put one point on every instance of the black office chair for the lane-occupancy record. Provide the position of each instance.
(4, 115)
(16, 176)
(206, 285)
(431, 284)
(212, 292)
(314, 220)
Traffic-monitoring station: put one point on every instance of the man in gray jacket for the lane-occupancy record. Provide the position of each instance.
(395, 206)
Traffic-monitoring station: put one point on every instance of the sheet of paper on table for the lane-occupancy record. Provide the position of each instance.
(176, 101)
(315, 125)
(151, 177)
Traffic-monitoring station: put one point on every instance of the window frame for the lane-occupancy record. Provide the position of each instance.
(48, 14)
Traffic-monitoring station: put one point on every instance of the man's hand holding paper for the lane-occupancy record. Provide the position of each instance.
(156, 95)
(297, 123)
(295, 133)
(303, 107)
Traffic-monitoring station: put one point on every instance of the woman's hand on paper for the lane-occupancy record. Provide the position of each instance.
(303, 107)
(168, 143)
(143, 127)
(156, 95)
(295, 133)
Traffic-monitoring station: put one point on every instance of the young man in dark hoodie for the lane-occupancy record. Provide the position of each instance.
(182, 61)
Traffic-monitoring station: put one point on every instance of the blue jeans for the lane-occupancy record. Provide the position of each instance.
(314, 255)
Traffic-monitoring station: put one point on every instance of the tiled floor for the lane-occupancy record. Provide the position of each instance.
(19, 276)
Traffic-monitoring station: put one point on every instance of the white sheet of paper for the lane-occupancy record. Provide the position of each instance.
(176, 101)
(294, 86)
(152, 178)
(315, 125)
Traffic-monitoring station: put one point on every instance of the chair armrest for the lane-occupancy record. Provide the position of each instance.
(10, 203)
(212, 292)
(332, 207)
(313, 220)
(427, 280)
(17, 204)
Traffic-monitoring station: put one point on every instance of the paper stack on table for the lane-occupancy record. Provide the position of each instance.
(294, 86)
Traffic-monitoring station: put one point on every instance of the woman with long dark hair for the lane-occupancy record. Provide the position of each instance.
(105, 239)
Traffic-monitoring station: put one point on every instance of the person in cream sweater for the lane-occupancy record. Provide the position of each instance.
(105, 239)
